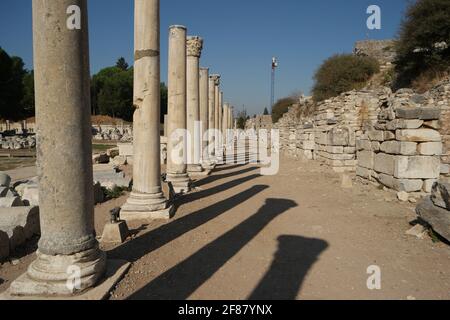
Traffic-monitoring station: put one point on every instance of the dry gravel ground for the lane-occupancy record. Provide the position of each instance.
(296, 235)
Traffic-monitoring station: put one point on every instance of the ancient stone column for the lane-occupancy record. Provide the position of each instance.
(165, 125)
(194, 50)
(204, 116)
(217, 110)
(68, 239)
(225, 120)
(147, 200)
(213, 79)
(176, 144)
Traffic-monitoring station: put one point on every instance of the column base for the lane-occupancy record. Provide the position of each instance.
(194, 168)
(180, 182)
(60, 275)
(115, 271)
(142, 206)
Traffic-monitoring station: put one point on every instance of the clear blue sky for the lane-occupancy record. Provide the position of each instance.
(241, 36)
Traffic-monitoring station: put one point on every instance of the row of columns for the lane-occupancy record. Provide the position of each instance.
(61, 57)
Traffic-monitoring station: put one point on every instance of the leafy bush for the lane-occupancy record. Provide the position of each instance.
(281, 107)
(341, 73)
(423, 47)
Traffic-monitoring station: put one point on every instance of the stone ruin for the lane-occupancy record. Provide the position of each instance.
(399, 140)
(19, 215)
(113, 133)
(17, 142)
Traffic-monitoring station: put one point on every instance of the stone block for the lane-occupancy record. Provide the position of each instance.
(407, 185)
(386, 180)
(417, 167)
(430, 148)
(115, 233)
(376, 135)
(433, 124)
(309, 145)
(30, 196)
(125, 149)
(428, 185)
(10, 202)
(334, 149)
(418, 113)
(445, 169)
(364, 173)
(388, 135)
(20, 224)
(376, 146)
(419, 135)
(363, 145)
(437, 217)
(349, 149)
(119, 161)
(440, 195)
(5, 180)
(399, 147)
(384, 163)
(365, 159)
(404, 124)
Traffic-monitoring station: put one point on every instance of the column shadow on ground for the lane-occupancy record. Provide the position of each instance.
(226, 167)
(190, 197)
(181, 281)
(216, 177)
(139, 247)
(294, 258)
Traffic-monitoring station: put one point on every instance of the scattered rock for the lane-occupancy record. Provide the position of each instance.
(403, 196)
(418, 231)
(5, 180)
(437, 217)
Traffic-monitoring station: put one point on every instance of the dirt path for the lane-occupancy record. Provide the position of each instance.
(297, 235)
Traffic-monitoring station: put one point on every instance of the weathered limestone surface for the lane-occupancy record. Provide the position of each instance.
(147, 200)
(194, 49)
(17, 225)
(437, 217)
(177, 144)
(204, 115)
(61, 59)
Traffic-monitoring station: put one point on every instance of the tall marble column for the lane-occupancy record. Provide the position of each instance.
(177, 144)
(225, 123)
(204, 116)
(68, 239)
(214, 79)
(194, 50)
(217, 108)
(147, 200)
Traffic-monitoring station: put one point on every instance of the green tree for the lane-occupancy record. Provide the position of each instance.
(164, 101)
(281, 107)
(12, 72)
(242, 119)
(424, 41)
(341, 73)
(122, 64)
(112, 93)
(266, 112)
(28, 102)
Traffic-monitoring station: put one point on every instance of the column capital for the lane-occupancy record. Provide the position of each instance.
(194, 45)
(216, 78)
